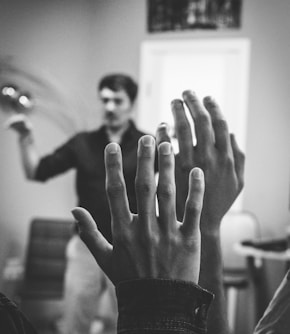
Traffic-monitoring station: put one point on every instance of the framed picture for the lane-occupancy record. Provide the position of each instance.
(176, 15)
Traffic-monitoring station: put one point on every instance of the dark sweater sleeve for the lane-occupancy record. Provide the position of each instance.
(150, 306)
(12, 320)
(61, 160)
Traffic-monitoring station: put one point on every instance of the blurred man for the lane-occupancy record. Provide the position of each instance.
(85, 284)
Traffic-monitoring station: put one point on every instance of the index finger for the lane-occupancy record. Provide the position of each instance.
(145, 181)
(201, 119)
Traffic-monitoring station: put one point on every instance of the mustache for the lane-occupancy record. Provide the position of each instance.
(110, 114)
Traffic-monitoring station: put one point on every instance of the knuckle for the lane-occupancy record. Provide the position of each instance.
(166, 190)
(203, 120)
(172, 239)
(148, 239)
(229, 161)
(154, 238)
(143, 187)
(242, 157)
(198, 186)
(193, 207)
(113, 164)
(226, 161)
(220, 125)
(115, 189)
(182, 127)
(192, 243)
(228, 166)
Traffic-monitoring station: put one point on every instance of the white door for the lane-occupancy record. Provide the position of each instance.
(216, 67)
(209, 67)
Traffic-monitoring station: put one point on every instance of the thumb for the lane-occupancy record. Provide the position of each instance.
(100, 248)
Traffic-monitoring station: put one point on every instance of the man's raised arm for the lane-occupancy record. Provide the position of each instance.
(29, 154)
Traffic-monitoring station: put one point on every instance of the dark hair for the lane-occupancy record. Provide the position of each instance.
(117, 82)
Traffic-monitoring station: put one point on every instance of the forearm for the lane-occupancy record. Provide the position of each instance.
(29, 155)
(211, 278)
(162, 306)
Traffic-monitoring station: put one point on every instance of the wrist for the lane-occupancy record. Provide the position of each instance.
(26, 137)
(210, 227)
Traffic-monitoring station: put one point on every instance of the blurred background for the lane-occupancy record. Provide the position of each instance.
(58, 50)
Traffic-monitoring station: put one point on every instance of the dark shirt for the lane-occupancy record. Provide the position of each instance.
(85, 153)
(151, 306)
(12, 320)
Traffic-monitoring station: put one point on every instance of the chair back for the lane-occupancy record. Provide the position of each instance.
(45, 258)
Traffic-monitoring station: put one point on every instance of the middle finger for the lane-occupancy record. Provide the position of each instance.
(145, 181)
(202, 121)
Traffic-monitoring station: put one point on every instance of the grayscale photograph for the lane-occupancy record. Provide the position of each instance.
(145, 167)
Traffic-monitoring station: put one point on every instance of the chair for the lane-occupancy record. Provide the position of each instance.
(236, 227)
(42, 290)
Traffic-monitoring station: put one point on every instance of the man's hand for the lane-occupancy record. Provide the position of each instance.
(216, 153)
(144, 245)
(29, 155)
(20, 123)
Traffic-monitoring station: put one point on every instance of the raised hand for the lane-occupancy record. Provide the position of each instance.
(20, 123)
(144, 245)
(218, 155)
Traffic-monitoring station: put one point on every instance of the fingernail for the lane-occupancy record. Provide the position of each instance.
(188, 93)
(177, 103)
(165, 148)
(197, 173)
(163, 125)
(147, 141)
(112, 148)
(209, 99)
